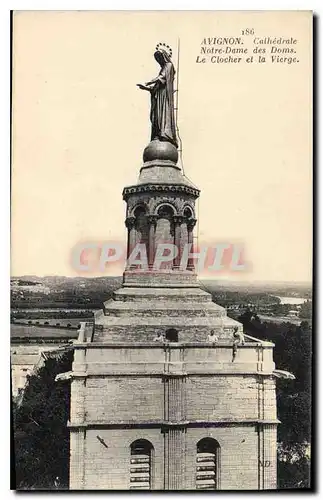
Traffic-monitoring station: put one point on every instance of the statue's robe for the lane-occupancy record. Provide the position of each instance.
(162, 106)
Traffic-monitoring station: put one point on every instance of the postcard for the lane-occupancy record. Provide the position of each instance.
(161, 281)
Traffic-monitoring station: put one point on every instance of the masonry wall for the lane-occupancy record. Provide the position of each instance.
(211, 398)
(238, 456)
(124, 398)
(172, 398)
(221, 398)
(241, 463)
(109, 468)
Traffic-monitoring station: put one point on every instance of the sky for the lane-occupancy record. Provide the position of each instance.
(80, 125)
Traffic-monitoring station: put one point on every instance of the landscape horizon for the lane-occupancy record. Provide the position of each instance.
(226, 280)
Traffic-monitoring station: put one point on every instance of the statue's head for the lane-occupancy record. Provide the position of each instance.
(163, 53)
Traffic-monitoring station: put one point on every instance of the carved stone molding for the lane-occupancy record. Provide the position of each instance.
(130, 222)
(152, 219)
(170, 188)
(191, 223)
(178, 219)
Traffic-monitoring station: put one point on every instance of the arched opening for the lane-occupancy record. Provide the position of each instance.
(165, 234)
(141, 227)
(188, 212)
(165, 211)
(139, 209)
(207, 464)
(141, 456)
(171, 335)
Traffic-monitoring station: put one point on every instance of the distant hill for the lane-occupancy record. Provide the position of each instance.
(280, 288)
(63, 292)
(90, 293)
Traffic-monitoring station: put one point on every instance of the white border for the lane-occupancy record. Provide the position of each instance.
(5, 7)
(162, 5)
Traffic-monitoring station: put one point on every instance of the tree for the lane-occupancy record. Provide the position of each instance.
(306, 310)
(41, 437)
(292, 352)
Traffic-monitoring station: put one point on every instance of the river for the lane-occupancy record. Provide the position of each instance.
(292, 300)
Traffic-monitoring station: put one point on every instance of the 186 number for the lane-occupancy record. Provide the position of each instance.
(248, 31)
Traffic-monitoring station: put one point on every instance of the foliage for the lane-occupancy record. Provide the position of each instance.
(306, 309)
(40, 431)
(50, 314)
(293, 353)
(225, 298)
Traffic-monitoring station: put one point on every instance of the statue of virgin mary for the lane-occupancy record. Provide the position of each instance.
(161, 91)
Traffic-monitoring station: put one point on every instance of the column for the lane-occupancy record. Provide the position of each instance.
(77, 457)
(77, 433)
(130, 224)
(190, 226)
(178, 219)
(267, 445)
(174, 428)
(152, 220)
(174, 457)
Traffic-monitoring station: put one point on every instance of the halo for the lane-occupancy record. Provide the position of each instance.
(166, 48)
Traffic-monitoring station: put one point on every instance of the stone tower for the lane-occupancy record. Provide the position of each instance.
(156, 403)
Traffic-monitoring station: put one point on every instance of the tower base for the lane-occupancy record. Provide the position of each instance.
(151, 411)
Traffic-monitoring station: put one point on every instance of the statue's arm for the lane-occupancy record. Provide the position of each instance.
(151, 82)
(161, 78)
(143, 87)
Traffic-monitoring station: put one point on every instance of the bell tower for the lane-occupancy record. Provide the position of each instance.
(167, 393)
(161, 218)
